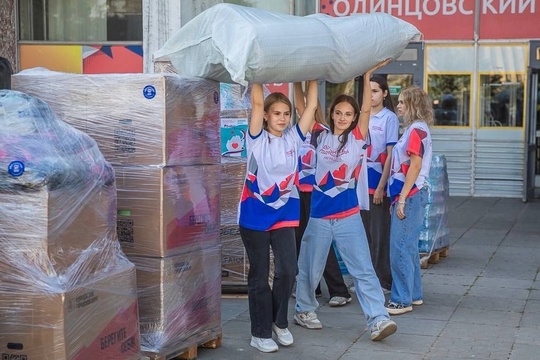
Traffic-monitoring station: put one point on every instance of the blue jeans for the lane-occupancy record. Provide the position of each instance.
(351, 241)
(269, 305)
(404, 255)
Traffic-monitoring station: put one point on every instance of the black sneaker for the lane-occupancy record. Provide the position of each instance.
(397, 309)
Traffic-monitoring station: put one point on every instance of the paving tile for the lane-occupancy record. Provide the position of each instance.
(499, 292)
(486, 317)
(470, 348)
(492, 303)
(504, 283)
(463, 331)
(524, 352)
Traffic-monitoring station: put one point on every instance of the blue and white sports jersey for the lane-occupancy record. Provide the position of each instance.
(270, 197)
(383, 132)
(337, 176)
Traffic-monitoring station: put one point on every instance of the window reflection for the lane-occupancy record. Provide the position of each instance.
(82, 21)
(451, 99)
(502, 100)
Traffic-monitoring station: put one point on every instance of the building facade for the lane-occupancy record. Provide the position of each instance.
(479, 67)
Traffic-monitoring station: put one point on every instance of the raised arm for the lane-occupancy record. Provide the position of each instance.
(299, 101)
(307, 119)
(257, 110)
(363, 121)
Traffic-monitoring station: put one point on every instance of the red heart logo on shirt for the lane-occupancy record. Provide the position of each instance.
(285, 183)
(306, 159)
(234, 145)
(340, 173)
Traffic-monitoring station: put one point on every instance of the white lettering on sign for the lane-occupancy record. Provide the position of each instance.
(421, 8)
(508, 6)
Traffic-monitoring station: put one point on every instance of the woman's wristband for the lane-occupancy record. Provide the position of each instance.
(401, 202)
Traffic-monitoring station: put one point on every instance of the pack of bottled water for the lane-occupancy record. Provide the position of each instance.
(435, 233)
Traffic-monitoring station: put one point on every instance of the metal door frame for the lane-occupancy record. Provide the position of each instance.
(529, 171)
(408, 63)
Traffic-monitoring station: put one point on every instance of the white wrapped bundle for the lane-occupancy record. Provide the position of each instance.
(232, 43)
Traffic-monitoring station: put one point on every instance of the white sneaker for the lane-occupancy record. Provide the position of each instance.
(307, 320)
(339, 301)
(264, 345)
(383, 329)
(284, 336)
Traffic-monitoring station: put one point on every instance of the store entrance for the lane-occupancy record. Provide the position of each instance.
(531, 188)
(406, 71)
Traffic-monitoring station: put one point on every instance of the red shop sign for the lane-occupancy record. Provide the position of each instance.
(434, 19)
(451, 19)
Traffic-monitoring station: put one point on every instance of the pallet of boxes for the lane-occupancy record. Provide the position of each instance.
(234, 115)
(434, 241)
(67, 291)
(233, 123)
(234, 118)
(160, 132)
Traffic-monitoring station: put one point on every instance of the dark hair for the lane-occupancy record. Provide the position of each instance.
(383, 84)
(338, 100)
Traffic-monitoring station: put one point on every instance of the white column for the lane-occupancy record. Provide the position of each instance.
(161, 18)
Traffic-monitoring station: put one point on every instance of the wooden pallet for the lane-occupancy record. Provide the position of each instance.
(434, 257)
(210, 339)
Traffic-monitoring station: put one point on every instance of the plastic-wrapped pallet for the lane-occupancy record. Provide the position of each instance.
(136, 119)
(180, 301)
(232, 43)
(66, 289)
(435, 231)
(234, 262)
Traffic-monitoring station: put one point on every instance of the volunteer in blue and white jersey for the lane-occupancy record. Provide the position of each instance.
(337, 289)
(335, 215)
(269, 210)
(411, 162)
(383, 135)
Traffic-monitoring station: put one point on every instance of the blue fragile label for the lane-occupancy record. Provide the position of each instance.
(149, 92)
(16, 168)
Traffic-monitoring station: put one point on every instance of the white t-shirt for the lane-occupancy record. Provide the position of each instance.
(270, 197)
(415, 140)
(337, 176)
(383, 132)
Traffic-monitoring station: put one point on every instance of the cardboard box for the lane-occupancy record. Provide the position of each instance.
(235, 261)
(136, 119)
(166, 211)
(97, 320)
(179, 297)
(232, 183)
(50, 230)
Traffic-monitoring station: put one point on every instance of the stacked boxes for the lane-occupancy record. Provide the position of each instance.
(161, 134)
(234, 114)
(435, 233)
(164, 211)
(234, 261)
(178, 298)
(66, 289)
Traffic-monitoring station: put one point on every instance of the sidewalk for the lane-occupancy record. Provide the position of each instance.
(482, 302)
